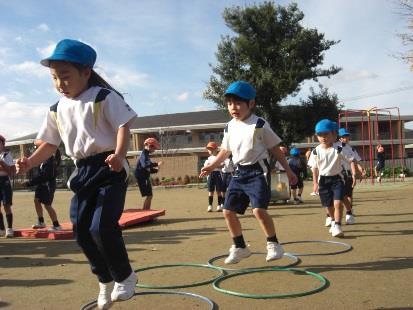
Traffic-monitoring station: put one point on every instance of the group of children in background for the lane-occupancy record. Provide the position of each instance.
(239, 171)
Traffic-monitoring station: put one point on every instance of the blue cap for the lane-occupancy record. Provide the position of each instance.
(343, 132)
(241, 89)
(72, 51)
(325, 125)
(294, 152)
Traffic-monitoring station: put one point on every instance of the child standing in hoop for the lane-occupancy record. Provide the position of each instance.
(248, 138)
(93, 121)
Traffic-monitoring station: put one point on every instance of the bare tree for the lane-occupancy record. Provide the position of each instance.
(406, 11)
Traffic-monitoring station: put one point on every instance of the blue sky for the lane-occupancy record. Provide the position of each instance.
(158, 52)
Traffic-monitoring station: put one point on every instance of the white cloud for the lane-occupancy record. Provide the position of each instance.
(123, 78)
(15, 115)
(47, 50)
(43, 27)
(29, 68)
(200, 108)
(183, 97)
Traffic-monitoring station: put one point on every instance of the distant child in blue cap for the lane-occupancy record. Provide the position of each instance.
(326, 163)
(349, 177)
(93, 121)
(299, 167)
(248, 138)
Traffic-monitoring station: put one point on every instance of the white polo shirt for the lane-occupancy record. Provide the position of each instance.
(248, 144)
(328, 161)
(8, 160)
(85, 127)
(349, 152)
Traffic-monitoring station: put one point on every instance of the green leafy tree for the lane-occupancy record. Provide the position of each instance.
(298, 121)
(271, 50)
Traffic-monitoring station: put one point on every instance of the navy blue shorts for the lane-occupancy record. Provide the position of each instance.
(145, 186)
(380, 166)
(45, 192)
(248, 184)
(299, 184)
(226, 179)
(348, 185)
(330, 188)
(6, 193)
(215, 182)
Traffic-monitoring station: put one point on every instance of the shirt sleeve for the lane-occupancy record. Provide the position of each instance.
(270, 138)
(225, 142)
(312, 161)
(8, 160)
(117, 111)
(49, 131)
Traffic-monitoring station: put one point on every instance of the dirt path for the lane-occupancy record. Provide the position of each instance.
(376, 274)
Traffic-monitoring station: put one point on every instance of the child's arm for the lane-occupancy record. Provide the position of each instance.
(43, 152)
(222, 155)
(115, 161)
(280, 157)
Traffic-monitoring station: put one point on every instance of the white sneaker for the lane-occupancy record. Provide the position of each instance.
(313, 194)
(9, 233)
(104, 300)
(336, 231)
(125, 289)
(38, 225)
(331, 227)
(219, 208)
(328, 221)
(350, 219)
(300, 199)
(209, 208)
(274, 251)
(54, 229)
(237, 254)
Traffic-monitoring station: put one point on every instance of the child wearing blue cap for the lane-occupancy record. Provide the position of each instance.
(93, 121)
(248, 138)
(299, 167)
(349, 177)
(7, 169)
(326, 163)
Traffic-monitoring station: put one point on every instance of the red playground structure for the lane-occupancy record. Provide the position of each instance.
(379, 127)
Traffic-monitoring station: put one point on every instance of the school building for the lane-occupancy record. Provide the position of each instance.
(183, 137)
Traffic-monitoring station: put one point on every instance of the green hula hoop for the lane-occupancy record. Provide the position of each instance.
(211, 303)
(323, 283)
(221, 273)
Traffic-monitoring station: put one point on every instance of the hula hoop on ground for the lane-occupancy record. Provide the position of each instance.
(92, 304)
(324, 283)
(347, 247)
(295, 262)
(221, 272)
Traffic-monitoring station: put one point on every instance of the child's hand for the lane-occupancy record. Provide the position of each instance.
(115, 162)
(23, 165)
(206, 171)
(292, 177)
(160, 163)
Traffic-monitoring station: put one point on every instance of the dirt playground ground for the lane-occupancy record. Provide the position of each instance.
(376, 274)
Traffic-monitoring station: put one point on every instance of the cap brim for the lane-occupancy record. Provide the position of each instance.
(60, 57)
